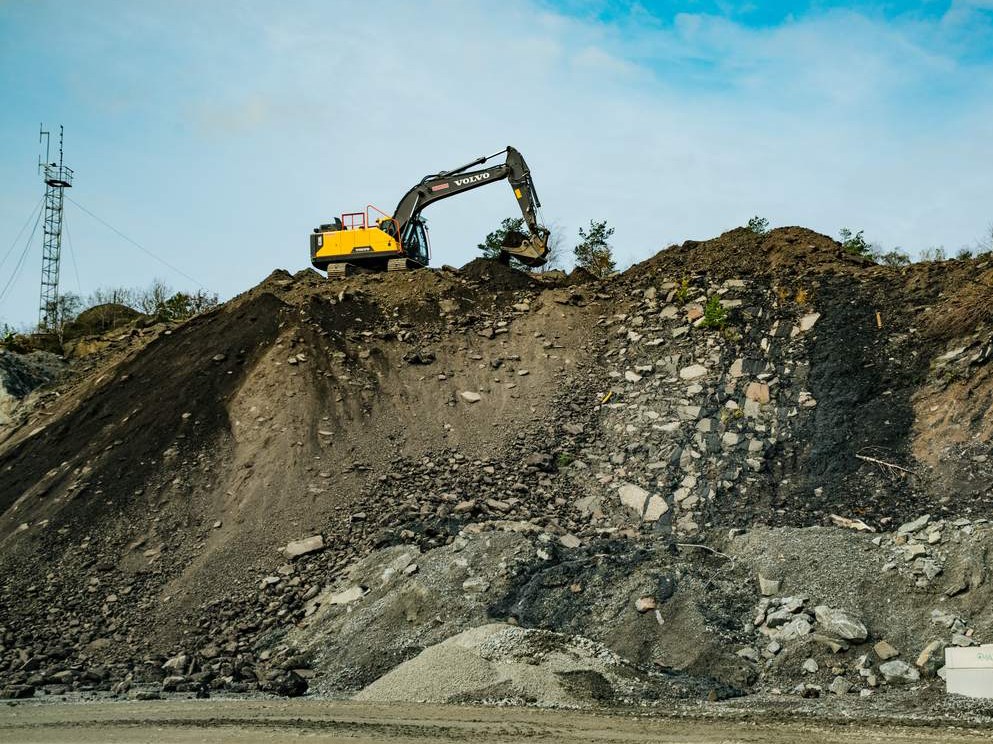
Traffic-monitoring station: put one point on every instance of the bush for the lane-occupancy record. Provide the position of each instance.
(594, 253)
(715, 315)
(933, 254)
(758, 225)
(856, 243)
(896, 257)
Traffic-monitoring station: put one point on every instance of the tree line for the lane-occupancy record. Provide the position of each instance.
(158, 300)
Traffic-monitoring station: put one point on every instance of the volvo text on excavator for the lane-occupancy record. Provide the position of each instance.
(360, 240)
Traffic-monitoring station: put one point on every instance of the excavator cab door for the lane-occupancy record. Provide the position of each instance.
(415, 242)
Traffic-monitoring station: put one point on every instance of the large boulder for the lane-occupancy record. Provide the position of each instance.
(840, 624)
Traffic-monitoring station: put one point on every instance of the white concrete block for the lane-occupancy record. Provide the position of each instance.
(969, 671)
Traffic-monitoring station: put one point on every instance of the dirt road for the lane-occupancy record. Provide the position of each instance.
(251, 722)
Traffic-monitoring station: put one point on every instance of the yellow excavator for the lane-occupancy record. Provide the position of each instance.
(373, 240)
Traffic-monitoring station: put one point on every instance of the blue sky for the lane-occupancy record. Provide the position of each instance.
(218, 134)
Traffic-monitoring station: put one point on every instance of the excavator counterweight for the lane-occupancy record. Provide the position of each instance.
(400, 240)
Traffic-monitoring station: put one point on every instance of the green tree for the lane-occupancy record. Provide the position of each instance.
(594, 252)
(758, 225)
(856, 243)
(181, 306)
(896, 257)
(715, 315)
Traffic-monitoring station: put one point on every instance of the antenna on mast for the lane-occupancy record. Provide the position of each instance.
(58, 178)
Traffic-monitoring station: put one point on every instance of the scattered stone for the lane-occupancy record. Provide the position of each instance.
(810, 666)
(347, 596)
(177, 664)
(17, 692)
(475, 585)
(795, 628)
(931, 658)
(769, 587)
(885, 651)
(308, 545)
(471, 397)
(840, 624)
(899, 671)
(808, 320)
(749, 653)
(633, 497)
(693, 372)
(645, 604)
(962, 640)
(657, 506)
(757, 392)
(840, 686)
(914, 525)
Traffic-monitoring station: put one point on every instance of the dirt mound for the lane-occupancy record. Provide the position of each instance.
(742, 252)
(196, 502)
(497, 275)
(100, 319)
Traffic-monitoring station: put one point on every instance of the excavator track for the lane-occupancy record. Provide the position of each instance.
(401, 264)
(340, 270)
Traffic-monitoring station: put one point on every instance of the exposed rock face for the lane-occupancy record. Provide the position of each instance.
(20, 374)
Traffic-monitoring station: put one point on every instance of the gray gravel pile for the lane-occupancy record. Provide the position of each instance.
(499, 663)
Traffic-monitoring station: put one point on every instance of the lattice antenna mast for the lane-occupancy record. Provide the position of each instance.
(58, 178)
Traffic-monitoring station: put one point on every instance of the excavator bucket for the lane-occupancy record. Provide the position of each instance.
(529, 250)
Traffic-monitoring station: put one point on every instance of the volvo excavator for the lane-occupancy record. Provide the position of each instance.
(373, 240)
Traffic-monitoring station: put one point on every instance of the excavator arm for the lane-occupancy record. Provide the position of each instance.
(532, 251)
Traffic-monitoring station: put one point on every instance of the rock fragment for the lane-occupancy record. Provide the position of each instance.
(308, 545)
(840, 623)
(899, 671)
